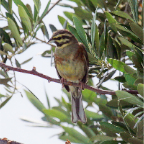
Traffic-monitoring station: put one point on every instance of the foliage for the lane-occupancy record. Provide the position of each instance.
(113, 35)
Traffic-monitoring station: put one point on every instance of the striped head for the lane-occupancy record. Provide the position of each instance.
(62, 38)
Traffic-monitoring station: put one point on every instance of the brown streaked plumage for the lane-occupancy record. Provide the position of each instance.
(71, 62)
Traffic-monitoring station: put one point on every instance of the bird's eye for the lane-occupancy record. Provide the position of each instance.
(58, 38)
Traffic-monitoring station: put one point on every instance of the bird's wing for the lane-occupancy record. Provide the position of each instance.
(66, 86)
(84, 57)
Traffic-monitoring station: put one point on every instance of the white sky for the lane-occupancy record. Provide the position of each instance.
(11, 126)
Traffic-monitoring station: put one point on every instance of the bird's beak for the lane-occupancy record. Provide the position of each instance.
(51, 40)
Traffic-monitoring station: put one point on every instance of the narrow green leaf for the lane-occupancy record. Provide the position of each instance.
(140, 89)
(24, 18)
(135, 141)
(17, 63)
(93, 29)
(118, 65)
(93, 115)
(53, 28)
(37, 4)
(77, 135)
(87, 130)
(127, 43)
(26, 61)
(56, 113)
(129, 54)
(122, 95)
(74, 32)
(84, 14)
(8, 47)
(14, 31)
(137, 30)
(48, 101)
(19, 2)
(111, 127)
(35, 101)
(45, 11)
(4, 102)
(101, 138)
(45, 31)
(122, 14)
(112, 21)
(10, 6)
(81, 32)
(130, 79)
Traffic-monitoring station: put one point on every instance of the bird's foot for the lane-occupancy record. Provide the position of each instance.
(62, 82)
(82, 85)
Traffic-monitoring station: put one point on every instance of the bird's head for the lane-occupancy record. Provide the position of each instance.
(62, 38)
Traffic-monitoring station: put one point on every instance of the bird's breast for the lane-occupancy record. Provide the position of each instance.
(69, 68)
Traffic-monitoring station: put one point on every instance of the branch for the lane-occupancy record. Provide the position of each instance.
(34, 72)
(6, 141)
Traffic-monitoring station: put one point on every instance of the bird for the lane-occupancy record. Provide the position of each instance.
(71, 63)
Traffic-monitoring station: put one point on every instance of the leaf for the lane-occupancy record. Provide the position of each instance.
(53, 28)
(126, 42)
(10, 6)
(135, 141)
(45, 31)
(112, 21)
(122, 14)
(84, 14)
(56, 113)
(37, 4)
(26, 61)
(130, 79)
(122, 95)
(45, 11)
(114, 104)
(93, 29)
(125, 136)
(137, 30)
(101, 138)
(140, 89)
(88, 95)
(113, 142)
(118, 65)
(105, 110)
(77, 135)
(87, 130)
(111, 127)
(24, 18)
(129, 54)
(5, 36)
(93, 115)
(35, 101)
(69, 15)
(4, 102)
(19, 2)
(48, 101)
(17, 63)
(129, 70)
(14, 31)
(81, 32)
(8, 47)
(74, 32)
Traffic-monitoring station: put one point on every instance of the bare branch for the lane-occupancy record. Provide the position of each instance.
(34, 72)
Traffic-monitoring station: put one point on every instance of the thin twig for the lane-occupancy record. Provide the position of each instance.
(34, 72)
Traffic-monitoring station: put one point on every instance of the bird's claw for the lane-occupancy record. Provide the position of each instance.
(82, 85)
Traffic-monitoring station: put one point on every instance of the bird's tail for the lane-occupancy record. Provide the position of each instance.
(77, 106)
